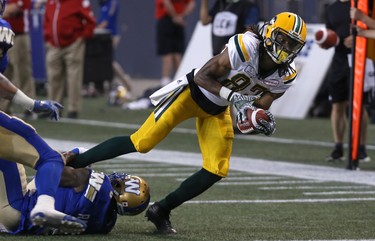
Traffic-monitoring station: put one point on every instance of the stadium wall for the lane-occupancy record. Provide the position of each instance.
(137, 49)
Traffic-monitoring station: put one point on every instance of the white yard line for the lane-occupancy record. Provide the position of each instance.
(315, 187)
(267, 183)
(191, 131)
(339, 193)
(249, 165)
(325, 200)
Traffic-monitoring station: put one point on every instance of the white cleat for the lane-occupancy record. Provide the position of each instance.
(65, 224)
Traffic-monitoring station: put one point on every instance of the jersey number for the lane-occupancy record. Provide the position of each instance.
(240, 81)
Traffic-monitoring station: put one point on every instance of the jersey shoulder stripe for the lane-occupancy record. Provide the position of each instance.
(290, 76)
(241, 47)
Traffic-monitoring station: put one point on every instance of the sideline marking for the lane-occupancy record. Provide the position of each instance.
(315, 187)
(193, 131)
(328, 200)
(232, 178)
(250, 165)
(338, 193)
(267, 183)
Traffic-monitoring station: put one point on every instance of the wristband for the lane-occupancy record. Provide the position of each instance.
(23, 100)
(225, 93)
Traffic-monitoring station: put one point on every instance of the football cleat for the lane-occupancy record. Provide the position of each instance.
(284, 37)
(52, 219)
(160, 219)
(336, 155)
(362, 154)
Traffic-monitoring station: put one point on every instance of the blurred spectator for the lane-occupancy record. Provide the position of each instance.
(19, 69)
(338, 19)
(66, 26)
(228, 17)
(109, 10)
(170, 31)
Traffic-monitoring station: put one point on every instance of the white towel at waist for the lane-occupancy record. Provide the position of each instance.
(165, 91)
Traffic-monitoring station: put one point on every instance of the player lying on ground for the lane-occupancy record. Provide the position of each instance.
(254, 69)
(93, 197)
(20, 143)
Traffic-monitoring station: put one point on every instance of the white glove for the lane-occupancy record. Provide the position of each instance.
(267, 127)
(237, 99)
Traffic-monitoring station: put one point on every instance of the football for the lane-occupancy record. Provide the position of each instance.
(253, 118)
(326, 38)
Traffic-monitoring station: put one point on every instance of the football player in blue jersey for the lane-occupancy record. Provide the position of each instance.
(254, 69)
(21, 143)
(92, 197)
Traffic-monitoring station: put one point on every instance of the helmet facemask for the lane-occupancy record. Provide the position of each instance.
(132, 193)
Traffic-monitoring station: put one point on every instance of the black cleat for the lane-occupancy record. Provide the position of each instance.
(336, 155)
(362, 154)
(160, 218)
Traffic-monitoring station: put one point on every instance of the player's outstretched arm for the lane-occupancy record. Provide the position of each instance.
(12, 93)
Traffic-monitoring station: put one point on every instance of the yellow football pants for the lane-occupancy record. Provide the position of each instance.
(215, 133)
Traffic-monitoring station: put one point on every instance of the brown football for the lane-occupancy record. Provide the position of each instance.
(253, 118)
(326, 38)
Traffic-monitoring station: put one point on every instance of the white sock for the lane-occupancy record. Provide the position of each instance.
(45, 201)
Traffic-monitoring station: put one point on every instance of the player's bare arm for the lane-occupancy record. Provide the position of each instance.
(7, 89)
(266, 100)
(77, 178)
(207, 77)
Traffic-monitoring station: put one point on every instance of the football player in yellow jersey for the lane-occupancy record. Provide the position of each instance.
(254, 69)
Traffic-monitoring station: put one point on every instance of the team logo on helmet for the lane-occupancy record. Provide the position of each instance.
(284, 37)
(132, 193)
